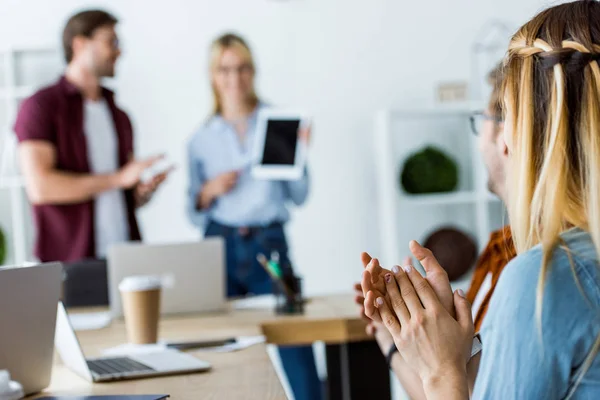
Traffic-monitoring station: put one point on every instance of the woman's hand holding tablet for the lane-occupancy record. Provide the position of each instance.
(280, 146)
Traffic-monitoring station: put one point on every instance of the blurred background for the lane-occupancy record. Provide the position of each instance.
(381, 78)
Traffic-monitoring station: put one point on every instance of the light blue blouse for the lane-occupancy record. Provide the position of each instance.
(520, 362)
(215, 149)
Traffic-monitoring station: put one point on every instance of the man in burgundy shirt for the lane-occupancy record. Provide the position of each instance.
(76, 151)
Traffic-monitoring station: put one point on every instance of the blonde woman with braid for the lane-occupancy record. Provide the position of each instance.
(541, 335)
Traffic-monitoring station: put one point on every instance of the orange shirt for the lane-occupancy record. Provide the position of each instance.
(499, 251)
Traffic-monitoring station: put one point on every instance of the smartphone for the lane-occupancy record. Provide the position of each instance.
(161, 166)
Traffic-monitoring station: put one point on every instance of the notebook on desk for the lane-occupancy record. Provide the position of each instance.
(127, 397)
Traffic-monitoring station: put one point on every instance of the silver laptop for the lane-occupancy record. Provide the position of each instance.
(28, 298)
(163, 362)
(192, 274)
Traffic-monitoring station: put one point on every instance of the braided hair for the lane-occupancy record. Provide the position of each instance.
(552, 102)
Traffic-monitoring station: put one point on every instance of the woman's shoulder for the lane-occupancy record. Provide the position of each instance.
(575, 257)
(572, 279)
(541, 352)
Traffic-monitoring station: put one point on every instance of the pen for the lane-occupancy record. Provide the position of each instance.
(262, 260)
(200, 345)
(274, 263)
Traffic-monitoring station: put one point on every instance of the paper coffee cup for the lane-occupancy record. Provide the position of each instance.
(140, 297)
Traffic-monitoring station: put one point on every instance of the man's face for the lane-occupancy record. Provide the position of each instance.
(493, 151)
(101, 51)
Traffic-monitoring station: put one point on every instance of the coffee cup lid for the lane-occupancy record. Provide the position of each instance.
(138, 283)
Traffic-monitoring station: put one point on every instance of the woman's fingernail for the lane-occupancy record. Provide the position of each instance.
(379, 301)
(388, 278)
(407, 268)
(461, 293)
(395, 269)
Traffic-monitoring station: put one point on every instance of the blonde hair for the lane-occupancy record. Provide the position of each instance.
(217, 48)
(552, 93)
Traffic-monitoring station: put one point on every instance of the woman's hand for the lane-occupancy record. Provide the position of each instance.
(305, 134)
(373, 279)
(429, 339)
(216, 187)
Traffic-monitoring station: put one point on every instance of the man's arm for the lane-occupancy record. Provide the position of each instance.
(410, 381)
(47, 185)
(472, 369)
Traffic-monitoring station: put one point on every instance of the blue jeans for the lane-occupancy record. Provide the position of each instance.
(246, 276)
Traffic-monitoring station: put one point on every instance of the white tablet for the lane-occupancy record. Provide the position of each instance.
(278, 152)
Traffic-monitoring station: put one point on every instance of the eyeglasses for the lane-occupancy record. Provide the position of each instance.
(240, 69)
(112, 41)
(477, 119)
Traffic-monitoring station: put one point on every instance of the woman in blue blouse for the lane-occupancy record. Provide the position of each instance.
(225, 200)
(541, 336)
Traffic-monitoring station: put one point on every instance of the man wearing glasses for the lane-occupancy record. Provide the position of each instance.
(488, 126)
(76, 151)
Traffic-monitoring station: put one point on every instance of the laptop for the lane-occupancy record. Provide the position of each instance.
(28, 297)
(103, 369)
(192, 274)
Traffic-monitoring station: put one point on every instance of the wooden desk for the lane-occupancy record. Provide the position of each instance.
(354, 362)
(356, 369)
(332, 319)
(246, 374)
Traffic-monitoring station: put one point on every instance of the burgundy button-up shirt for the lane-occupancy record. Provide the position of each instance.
(65, 232)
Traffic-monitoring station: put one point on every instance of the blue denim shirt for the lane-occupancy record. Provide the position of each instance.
(215, 149)
(521, 362)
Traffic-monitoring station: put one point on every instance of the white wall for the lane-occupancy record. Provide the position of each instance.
(339, 59)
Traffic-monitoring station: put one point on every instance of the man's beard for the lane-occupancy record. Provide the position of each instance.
(491, 187)
(105, 71)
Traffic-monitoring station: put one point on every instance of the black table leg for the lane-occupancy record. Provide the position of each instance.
(357, 371)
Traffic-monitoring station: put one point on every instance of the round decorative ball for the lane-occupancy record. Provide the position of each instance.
(455, 251)
(429, 171)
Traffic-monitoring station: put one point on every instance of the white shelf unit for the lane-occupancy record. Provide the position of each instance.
(22, 71)
(402, 216)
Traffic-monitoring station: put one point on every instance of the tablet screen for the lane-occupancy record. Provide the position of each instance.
(280, 142)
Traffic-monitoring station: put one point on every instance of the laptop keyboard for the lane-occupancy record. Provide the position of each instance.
(119, 365)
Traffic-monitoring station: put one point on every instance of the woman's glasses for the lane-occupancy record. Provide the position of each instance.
(479, 117)
(239, 69)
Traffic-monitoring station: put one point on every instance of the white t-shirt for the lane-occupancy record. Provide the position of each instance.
(110, 213)
(483, 291)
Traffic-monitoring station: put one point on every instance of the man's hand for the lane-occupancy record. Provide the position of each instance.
(373, 285)
(129, 175)
(216, 188)
(382, 336)
(145, 190)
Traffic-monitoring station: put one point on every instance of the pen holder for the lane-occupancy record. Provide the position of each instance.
(289, 300)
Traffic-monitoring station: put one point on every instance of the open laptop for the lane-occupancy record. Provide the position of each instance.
(192, 274)
(163, 362)
(28, 297)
